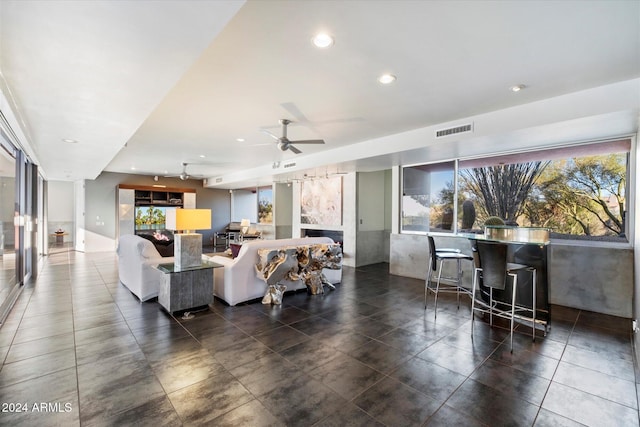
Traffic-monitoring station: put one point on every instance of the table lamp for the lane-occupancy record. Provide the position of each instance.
(244, 227)
(188, 244)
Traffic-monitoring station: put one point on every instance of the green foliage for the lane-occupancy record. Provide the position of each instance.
(265, 211)
(588, 193)
(151, 216)
(493, 220)
(579, 196)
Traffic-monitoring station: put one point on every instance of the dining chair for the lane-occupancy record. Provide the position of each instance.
(492, 274)
(451, 284)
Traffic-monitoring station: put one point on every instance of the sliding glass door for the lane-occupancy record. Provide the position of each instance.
(20, 201)
(9, 226)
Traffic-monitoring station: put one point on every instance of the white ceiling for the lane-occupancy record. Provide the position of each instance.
(149, 85)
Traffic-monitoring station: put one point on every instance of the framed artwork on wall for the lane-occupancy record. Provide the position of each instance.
(321, 201)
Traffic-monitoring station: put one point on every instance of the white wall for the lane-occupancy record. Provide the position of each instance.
(79, 218)
(244, 204)
(60, 206)
(60, 201)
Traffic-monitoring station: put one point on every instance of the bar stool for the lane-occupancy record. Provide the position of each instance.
(437, 258)
(494, 271)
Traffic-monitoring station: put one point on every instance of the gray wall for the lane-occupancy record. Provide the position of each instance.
(101, 209)
(283, 209)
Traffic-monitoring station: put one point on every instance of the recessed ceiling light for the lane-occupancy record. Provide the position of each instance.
(133, 168)
(386, 79)
(69, 141)
(322, 40)
(240, 139)
(202, 156)
(517, 88)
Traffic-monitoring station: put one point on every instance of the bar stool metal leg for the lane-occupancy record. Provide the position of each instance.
(513, 305)
(473, 298)
(426, 285)
(533, 308)
(435, 304)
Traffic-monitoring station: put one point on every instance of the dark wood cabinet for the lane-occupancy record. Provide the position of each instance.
(158, 198)
(152, 196)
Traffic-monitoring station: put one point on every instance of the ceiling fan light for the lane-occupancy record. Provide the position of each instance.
(322, 40)
(386, 79)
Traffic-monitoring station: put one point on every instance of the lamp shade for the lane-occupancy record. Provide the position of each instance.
(245, 223)
(188, 219)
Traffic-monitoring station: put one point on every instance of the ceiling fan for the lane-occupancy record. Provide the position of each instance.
(183, 175)
(285, 143)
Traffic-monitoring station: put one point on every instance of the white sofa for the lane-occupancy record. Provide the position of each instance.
(238, 282)
(137, 258)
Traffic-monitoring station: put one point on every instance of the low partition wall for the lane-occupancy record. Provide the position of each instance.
(593, 278)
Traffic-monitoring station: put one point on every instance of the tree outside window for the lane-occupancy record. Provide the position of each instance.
(576, 192)
(265, 205)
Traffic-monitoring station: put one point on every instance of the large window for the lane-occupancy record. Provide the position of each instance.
(254, 204)
(427, 197)
(578, 192)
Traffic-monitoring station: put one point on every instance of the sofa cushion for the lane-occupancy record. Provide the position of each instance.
(164, 247)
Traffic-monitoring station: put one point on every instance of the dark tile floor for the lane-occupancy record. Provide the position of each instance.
(366, 354)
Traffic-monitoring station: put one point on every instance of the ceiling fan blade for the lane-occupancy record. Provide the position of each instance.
(294, 111)
(309, 141)
(294, 149)
(266, 132)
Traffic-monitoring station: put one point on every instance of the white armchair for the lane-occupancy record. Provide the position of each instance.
(137, 258)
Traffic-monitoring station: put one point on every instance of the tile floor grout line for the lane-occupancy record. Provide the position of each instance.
(566, 343)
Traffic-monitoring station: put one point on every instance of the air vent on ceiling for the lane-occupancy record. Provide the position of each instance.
(289, 165)
(218, 180)
(454, 130)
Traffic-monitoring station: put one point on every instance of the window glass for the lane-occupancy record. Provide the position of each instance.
(577, 192)
(427, 198)
(9, 243)
(265, 205)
